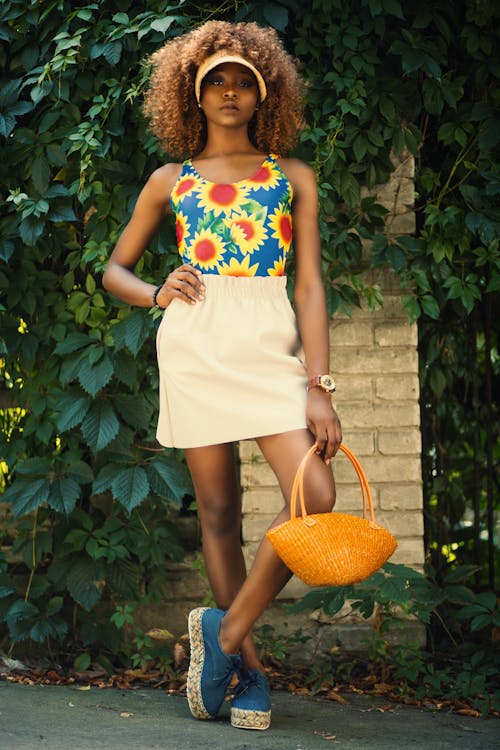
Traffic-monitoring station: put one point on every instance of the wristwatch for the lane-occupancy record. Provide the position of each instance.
(326, 382)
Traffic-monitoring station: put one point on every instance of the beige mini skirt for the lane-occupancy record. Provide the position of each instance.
(230, 366)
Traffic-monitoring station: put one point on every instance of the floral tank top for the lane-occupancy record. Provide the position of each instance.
(237, 229)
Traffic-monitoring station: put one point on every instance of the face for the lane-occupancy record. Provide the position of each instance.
(229, 94)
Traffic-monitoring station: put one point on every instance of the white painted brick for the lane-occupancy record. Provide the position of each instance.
(351, 332)
(379, 415)
(404, 524)
(350, 500)
(359, 388)
(402, 497)
(257, 475)
(250, 451)
(360, 443)
(396, 333)
(409, 552)
(397, 387)
(366, 360)
(394, 442)
(256, 525)
(380, 469)
(269, 500)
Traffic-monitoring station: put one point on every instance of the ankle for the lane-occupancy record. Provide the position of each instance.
(227, 643)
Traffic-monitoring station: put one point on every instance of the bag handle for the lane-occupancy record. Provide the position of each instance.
(298, 486)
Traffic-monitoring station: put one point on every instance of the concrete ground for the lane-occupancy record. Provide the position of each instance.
(68, 718)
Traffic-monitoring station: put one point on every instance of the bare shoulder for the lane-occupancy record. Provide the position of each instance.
(300, 174)
(163, 179)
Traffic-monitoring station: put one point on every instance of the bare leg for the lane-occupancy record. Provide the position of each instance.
(218, 495)
(268, 574)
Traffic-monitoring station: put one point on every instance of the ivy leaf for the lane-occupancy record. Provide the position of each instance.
(130, 487)
(78, 470)
(26, 496)
(84, 579)
(276, 15)
(124, 578)
(30, 230)
(40, 174)
(162, 24)
(64, 492)
(19, 618)
(430, 306)
(112, 51)
(135, 409)
(6, 587)
(93, 377)
(73, 408)
(100, 426)
(72, 343)
(172, 480)
(133, 331)
(437, 381)
(393, 7)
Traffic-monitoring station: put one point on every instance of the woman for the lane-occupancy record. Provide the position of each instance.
(228, 97)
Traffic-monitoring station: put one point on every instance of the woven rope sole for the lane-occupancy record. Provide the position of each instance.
(196, 662)
(246, 719)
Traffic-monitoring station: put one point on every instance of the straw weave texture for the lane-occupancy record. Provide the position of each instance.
(332, 549)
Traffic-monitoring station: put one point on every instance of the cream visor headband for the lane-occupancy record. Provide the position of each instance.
(223, 56)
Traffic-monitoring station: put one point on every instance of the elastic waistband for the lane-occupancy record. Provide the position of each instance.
(244, 286)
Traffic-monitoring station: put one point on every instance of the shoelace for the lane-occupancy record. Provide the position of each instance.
(250, 679)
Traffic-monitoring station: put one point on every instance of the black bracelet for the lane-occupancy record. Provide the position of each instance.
(155, 295)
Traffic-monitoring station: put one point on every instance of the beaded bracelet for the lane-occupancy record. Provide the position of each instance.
(155, 295)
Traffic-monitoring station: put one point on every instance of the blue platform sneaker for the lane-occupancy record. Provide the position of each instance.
(210, 669)
(251, 705)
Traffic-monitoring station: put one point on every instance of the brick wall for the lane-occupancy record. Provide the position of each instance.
(375, 362)
(374, 359)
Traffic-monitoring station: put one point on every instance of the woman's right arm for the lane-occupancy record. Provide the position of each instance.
(119, 277)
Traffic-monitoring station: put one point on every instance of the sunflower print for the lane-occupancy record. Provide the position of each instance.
(278, 269)
(281, 223)
(238, 229)
(238, 268)
(246, 231)
(206, 250)
(267, 176)
(182, 228)
(220, 198)
(184, 185)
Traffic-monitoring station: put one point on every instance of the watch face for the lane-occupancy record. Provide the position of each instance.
(327, 383)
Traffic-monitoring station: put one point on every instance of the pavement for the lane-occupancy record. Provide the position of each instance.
(69, 718)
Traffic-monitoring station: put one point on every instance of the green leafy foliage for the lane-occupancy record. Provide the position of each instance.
(87, 488)
(461, 661)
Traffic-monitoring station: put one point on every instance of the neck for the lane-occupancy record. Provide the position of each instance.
(226, 141)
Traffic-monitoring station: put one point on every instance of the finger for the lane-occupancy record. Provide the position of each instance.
(321, 441)
(185, 286)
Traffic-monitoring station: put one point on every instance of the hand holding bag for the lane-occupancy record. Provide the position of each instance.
(331, 549)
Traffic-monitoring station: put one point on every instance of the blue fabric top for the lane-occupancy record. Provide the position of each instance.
(242, 228)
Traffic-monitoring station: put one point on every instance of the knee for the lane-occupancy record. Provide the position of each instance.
(321, 496)
(219, 515)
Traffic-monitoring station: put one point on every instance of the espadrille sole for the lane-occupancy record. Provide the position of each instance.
(193, 688)
(245, 719)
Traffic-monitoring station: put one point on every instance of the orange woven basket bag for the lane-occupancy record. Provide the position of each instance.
(331, 549)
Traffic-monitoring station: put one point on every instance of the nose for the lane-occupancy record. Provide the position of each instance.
(229, 91)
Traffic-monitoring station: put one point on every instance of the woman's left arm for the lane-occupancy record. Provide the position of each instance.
(310, 306)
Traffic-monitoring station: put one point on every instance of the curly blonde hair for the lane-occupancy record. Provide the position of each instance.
(170, 102)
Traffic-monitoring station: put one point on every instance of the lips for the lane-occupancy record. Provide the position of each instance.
(230, 108)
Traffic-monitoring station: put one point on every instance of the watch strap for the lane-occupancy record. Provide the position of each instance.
(326, 382)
